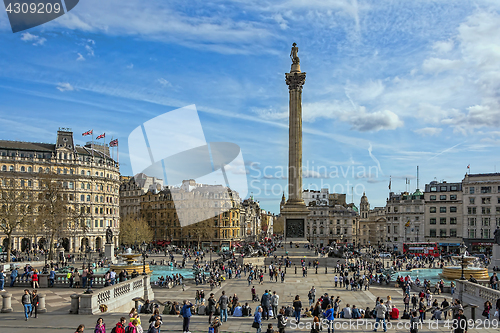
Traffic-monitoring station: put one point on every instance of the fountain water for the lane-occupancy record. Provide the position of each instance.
(129, 263)
(455, 272)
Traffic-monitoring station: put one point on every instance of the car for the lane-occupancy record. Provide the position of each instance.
(384, 255)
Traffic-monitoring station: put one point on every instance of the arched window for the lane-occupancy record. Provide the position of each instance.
(4, 168)
(83, 172)
(30, 169)
(11, 168)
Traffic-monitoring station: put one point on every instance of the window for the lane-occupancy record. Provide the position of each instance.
(472, 221)
(395, 229)
(453, 188)
(453, 197)
(472, 233)
(432, 197)
(70, 185)
(498, 209)
(88, 197)
(486, 201)
(442, 197)
(11, 168)
(442, 232)
(471, 210)
(82, 197)
(83, 186)
(432, 209)
(432, 233)
(442, 220)
(453, 232)
(471, 190)
(82, 172)
(388, 229)
(96, 223)
(453, 209)
(442, 209)
(472, 201)
(485, 221)
(485, 189)
(485, 210)
(443, 188)
(22, 182)
(485, 233)
(432, 221)
(29, 183)
(4, 168)
(433, 188)
(23, 169)
(453, 220)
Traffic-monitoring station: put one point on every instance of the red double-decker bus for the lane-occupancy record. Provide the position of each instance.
(421, 249)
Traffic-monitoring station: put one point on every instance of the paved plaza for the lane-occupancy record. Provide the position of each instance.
(57, 318)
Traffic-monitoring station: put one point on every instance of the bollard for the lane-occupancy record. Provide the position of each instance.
(316, 269)
(295, 269)
(326, 270)
(41, 303)
(75, 303)
(265, 269)
(473, 312)
(6, 303)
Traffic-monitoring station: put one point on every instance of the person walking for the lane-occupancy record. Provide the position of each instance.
(186, 315)
(282, 321)
(460, 322)
(297, 307)
(257, 320)
(100, 327)
(121, 325)
(34, 303)
(211, 307)
(381, 310)
(26, 301)
(330, 317)
(274, 304)
(223, 302)
(266, 304)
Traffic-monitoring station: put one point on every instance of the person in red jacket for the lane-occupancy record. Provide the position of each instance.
(120, 327)
(394, 313)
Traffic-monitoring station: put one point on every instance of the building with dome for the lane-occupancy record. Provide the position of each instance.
(372, 224)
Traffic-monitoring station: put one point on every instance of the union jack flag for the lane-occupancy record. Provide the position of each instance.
(102, 136)
(88, 133)
(113, 143)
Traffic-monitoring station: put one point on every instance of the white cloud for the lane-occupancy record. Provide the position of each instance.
(443, 46)
(130, 66)
(90, 50)
(164, 82)
(65, 86)
(80, 57)
(428, 131)
(37, 40)
(438, 65)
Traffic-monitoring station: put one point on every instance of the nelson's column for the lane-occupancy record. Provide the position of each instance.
(295, 211)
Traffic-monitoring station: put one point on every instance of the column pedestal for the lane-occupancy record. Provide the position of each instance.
(109, 252)
(495, 258)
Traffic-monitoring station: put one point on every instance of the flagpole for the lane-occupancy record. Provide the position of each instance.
(110, 151)
(92, 143)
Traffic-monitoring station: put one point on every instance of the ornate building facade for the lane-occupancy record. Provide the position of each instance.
(196, 202)
(90, 182)
(372, 224)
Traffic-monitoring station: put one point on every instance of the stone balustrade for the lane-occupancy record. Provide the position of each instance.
(60, 281)
(473, 293)
(118, 297)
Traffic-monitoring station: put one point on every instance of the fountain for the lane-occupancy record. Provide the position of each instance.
(455, 272)
(129, 263)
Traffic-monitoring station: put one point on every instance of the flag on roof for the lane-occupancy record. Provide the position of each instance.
(102, 136)
(88, 133)
(113, 143)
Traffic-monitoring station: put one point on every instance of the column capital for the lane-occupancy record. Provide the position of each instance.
(295, 80)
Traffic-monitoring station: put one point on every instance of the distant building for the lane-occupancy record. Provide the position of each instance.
(372, 224)
(131, 190)
(481, 210)
(90, 180)
(331, 219)
(216, 207)
(250, 220)
(405, 219)
(443, 214)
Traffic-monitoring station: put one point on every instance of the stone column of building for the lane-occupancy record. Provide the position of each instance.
(295, 211)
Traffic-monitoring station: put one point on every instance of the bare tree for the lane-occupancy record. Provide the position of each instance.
(203, 230)
(54, 211)
(14, 210)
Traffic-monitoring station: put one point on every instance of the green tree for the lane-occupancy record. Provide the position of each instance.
(134, 230)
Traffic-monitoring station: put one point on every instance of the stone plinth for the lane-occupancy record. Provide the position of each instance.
(295, 216)
(109, 253)
(495, 258)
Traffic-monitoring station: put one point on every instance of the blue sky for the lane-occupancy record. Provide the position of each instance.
(390, 84)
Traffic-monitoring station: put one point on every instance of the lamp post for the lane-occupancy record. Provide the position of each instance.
(144, 246)
(210, 254)
(463, 248)
(88, 256)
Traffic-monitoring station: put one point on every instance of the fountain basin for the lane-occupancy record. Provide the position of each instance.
(455, 273)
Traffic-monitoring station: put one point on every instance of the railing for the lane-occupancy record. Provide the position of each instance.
(114, 298)
(475, 293)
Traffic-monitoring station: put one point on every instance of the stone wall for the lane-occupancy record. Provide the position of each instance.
(473, 293)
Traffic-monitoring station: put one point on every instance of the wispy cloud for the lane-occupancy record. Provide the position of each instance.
(80, 57)
(37, 40)
(64, 86)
